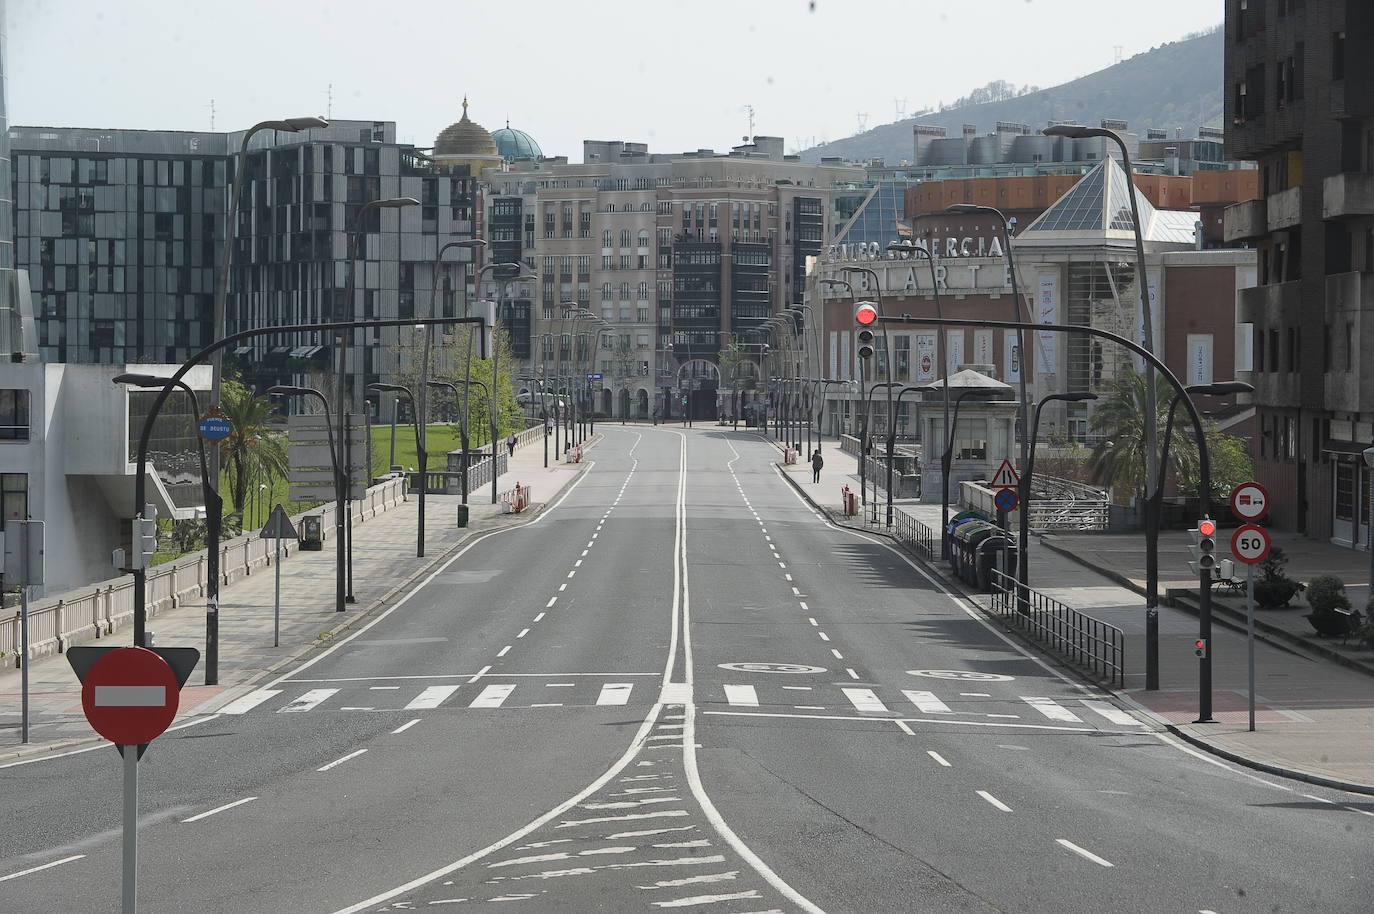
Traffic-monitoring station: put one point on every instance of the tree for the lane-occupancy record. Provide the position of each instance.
(1118, 460)
(253, 452)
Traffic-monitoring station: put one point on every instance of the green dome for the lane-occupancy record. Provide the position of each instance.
(516, 144)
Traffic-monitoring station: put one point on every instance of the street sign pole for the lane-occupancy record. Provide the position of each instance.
(24, 630)
(129, 884)
(276, 601)
(1250, 635)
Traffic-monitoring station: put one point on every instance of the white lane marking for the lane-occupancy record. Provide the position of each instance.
(902, 725)
(208, 813)
(926, 702)
(382, 688)
(552, 600)
(590, 541)
(572, 574)
(539, 617)
(130, 696)
(796, 592)
(939, 759)
(249, 702)
(405, 726)
(1115, 715)
(480, 673)
(559, 685)
(523, 633)
(850, 671)
(1052, 709)
(692, 880)
(563, 587)
(46, 866)
(864, 700)
(813, 622)
(948, 722)
(805, 608)
(615, 693)
(431, 697)
(976, 694)
(307, 701)
(782, 565)
(584, 552)
(824, 636)
(798, 688)
(548, 704)
(626, 817)
(838, 655)
(997, 804)
(705, 899)
(492, 696)
(339, 761)
(1088, 855)
(742, 696)
(503, 651)
(788, 576)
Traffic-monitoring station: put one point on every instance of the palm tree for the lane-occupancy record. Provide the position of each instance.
(1118, 461)
(253, 453)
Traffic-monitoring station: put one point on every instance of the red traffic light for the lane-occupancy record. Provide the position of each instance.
(865, 315)
(1207, 527)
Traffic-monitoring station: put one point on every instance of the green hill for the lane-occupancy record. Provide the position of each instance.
(1176, 85)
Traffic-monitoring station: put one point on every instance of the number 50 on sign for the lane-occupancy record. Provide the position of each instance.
(1250, 544)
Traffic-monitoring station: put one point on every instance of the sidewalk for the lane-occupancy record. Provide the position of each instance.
(1314, 714)
(384, 566)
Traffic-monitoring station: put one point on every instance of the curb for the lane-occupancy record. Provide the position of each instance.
(232, 692)
(1294, 773)
(1225, 615)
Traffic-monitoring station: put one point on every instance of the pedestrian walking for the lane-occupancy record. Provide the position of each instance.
(816, 463)
(510, 445)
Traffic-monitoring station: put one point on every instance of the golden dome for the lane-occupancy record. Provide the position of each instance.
(464, 138)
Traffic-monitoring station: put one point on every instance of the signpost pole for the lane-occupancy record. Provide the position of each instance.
(129, 884)
(24, 630)
(1250, 635)
(276, 603)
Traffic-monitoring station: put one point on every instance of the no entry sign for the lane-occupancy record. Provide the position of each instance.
(130, 696)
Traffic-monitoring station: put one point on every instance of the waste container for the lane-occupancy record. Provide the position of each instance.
(462, 515)
(964, 543)
(994, 552)
(311, 534)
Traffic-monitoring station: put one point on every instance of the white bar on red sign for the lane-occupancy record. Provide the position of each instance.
(126, 696)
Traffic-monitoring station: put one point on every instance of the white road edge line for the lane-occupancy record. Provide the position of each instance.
(208, 813)
(46, 866)
(1085, 854)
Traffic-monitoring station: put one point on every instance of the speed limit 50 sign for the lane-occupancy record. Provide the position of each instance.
(1250, 544)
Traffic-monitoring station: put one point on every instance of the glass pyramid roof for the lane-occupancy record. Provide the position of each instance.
(1100, 204)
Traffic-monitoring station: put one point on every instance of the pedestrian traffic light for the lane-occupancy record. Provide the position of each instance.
(145, 537)
(1204, 547)
(1200, 647)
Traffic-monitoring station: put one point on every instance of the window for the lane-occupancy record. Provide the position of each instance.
(14, 415)
(606, 238)
(14, 497)
(624, 238)
(1349, 346)
(1338, 55)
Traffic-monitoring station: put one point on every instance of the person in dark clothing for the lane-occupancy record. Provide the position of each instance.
(816, 463)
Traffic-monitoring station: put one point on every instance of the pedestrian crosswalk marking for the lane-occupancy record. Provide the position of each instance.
(864, 700)
(615, 693)
(1115, 715)
(249, 702)
(431, 697)
(1052, 709)
(309, 700)
(926, 702)
(492, 696)
(742, 695)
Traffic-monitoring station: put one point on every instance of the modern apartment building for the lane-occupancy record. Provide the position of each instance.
(682, 254)
(1300, 102)
(122, 231)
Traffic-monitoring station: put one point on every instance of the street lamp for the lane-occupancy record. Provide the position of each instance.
(421, 452)
(472, 243)
(947, 459)
(502, 284)
(218, 307)
(1368, 454)
(340, 486)
(214, 512)
(1076, 132)
(1023, 535)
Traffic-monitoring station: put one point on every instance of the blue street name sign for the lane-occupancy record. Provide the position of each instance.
(215, 427)
(593, 376)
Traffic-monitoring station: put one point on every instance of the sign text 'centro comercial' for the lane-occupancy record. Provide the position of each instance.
(950, 246)
(972, 263)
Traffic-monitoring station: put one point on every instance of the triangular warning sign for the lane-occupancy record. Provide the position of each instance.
(1005, 477)
(278, 526)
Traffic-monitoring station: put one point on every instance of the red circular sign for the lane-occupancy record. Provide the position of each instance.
(1250, 501)
(1250, 544)
(130, 696)
(925, 363)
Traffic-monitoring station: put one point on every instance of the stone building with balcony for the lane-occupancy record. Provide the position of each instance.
(1300, 102)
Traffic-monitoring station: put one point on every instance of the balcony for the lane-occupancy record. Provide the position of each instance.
(1347, 195)
(1245, 221)
(1274, 307)
(1349, 308)
(1285, 209)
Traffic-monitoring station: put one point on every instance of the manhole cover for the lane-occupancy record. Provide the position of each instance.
(966, 675)
(754, 667)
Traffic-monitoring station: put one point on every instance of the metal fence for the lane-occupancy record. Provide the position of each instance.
(1080, 639)
(914, 535)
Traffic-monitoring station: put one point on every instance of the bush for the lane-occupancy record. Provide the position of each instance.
(1326, 594)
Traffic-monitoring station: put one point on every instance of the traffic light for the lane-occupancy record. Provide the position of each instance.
(865, 315)
(1204, 547)
(145, 537)
(1200, 647)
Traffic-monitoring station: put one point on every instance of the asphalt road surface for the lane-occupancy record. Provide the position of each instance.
(679, 689)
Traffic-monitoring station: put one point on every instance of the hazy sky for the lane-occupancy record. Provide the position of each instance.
(677, 75)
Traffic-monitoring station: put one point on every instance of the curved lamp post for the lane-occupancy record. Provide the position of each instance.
(421, 452)
(502, 284)
(424, 368)
(214, 512)
(1023, 535)
(947, 458)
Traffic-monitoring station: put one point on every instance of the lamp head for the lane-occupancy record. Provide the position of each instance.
(1076, 396)
(286, 390)
(142, 380)
(1368, 454)
(966, 208)
(388, 388)
(304, 123)
(1221, 388)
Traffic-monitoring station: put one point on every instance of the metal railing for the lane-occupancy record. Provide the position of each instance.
(1089, 643)
(914, 535)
